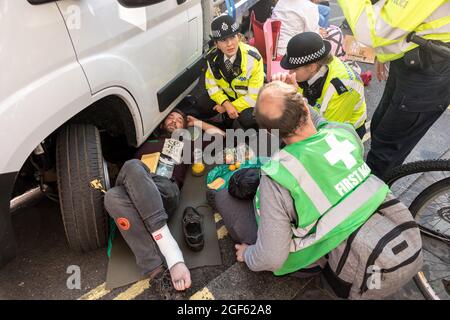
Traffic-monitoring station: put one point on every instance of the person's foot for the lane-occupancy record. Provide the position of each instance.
(181, 276)
(170, 283)
(163, 285)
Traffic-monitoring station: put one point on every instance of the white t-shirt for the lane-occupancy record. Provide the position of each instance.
(296, 16)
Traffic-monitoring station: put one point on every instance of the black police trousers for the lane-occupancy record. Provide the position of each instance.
(140, 204)
(203, 110)
(412, 101)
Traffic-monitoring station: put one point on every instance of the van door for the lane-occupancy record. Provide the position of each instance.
(139, 49)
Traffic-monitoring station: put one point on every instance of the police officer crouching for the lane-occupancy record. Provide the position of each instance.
(233, 78)
(331, 86)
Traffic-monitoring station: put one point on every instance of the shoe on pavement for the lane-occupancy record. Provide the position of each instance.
(193, 229)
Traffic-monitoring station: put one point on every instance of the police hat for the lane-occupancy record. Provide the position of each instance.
(303, 49)
(223, 27)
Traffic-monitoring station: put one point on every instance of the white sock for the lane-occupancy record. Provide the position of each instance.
(168, 246)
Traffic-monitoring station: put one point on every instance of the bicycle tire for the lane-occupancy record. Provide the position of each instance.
(416, 167)
(427, 194)
(422, 199)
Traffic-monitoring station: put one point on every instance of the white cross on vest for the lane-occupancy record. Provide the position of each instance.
(340, 151)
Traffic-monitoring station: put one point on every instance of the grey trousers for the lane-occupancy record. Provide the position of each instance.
(140, 204)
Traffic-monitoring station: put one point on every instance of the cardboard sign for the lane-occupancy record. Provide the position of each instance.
(356, 51)
(173, 149)
(151, 160)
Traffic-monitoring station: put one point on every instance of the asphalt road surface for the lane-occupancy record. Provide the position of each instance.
(40, 270)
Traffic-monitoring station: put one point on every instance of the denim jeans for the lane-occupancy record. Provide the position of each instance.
(324, 14)
(140, 204)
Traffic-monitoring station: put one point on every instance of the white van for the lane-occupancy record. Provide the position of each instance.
(70, 68)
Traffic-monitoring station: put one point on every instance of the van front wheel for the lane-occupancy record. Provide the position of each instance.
(79, 160)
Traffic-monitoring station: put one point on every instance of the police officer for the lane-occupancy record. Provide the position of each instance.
(417, 90)
(329, 84)
(233, 78)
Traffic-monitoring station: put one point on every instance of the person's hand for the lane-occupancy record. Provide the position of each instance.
(219, 108)
(192, 120)
(231, 110)
(381, 70)
(323, 32)
(286, 77)
(240, 249)
(181, 277)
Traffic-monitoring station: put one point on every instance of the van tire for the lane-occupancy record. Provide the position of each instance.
(79, 160)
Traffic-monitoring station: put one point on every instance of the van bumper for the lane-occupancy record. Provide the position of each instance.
(7, 240)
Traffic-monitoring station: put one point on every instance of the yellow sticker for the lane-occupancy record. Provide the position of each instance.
(216, 184)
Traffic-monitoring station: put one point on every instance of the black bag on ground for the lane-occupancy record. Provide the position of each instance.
(244, 183)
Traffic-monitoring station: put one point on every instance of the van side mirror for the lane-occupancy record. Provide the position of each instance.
(39, 1)
(138, 3)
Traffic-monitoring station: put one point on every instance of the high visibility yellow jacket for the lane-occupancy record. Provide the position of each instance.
(385, 24)
(243, 88)
(342, 98)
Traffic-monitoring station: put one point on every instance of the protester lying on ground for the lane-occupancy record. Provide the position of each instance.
(329, 84)
(233, 78)
(300, 197)
(142, 202)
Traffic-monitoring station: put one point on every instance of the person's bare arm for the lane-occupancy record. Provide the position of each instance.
(209, 128)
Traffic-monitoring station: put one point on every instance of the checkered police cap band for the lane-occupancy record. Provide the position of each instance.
(308, 58)
(223, 29)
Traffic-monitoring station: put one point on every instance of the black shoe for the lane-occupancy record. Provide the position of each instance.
(193, 229)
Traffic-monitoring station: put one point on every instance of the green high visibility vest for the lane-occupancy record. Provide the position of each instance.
(385, 24)
(342, 98)
(332, 189)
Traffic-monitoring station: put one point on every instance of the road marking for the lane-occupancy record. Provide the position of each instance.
(217, 217)
(96, 293)
(222, 232)
(135, 290)
(203, 294)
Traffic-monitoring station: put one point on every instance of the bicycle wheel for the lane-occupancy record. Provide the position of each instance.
(408, 181)
(424, 187)
(414, 168)
(431, 209)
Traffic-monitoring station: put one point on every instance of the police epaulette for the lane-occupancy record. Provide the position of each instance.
(339, 86)
(254, 55)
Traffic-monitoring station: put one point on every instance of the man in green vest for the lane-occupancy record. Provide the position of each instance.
(417, 90)
(331, 86)
(313, 193)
